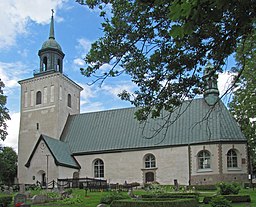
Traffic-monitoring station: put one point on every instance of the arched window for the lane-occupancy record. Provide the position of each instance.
(45, 64)
(69, 100)
(204, 159)
(150, 161)
(98, 168)
(38, 97)
(231, 158)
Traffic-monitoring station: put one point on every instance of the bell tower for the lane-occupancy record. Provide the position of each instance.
(47, 99)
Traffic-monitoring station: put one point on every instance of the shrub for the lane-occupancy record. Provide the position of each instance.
(6, 200)
(141, 203)
(238, 198)
(229, 188)
(113, 196)
(220, 201)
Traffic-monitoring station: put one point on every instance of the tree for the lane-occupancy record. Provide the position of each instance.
(8, 163)
(163, 46)
(4, 116)
(243, 104)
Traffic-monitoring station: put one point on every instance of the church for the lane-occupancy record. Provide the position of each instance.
(202, 144)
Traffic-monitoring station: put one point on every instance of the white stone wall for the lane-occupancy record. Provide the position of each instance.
(38, 165)
(129, 166)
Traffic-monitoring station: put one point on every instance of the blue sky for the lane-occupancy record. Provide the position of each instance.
(24, 28)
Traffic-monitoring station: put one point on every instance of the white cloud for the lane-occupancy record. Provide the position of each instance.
(16, 14)
(79, 62)
(117, 88)
(224, 81)
(83, 48)
(11, 73)
(13, 131)
(91, 107)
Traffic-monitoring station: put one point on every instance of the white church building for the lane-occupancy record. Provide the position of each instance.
(203, 145)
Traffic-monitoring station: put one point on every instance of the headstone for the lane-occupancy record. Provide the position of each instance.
(102, 205)
(176, 185)
(22, 188)
(37, 199)
(20, 198)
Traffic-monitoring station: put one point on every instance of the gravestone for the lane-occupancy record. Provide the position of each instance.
(22, 188)
(37, 199)
(176, 185)
(19, 198)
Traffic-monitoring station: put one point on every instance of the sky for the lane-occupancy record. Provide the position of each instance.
(24, 26)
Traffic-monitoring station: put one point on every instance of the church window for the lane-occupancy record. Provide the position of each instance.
(204, 159)
(38, 97)
(45, 64)
(232, 159)
(69, 100)
(98, 168)
(150, 161)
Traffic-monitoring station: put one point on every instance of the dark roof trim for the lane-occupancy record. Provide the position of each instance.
(153, 147)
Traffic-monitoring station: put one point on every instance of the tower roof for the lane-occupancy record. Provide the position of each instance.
(51, 43)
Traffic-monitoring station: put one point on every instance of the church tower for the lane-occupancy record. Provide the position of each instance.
(47, 99)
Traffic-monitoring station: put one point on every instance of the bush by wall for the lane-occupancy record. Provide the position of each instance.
(141, 203)
(229, 188)
(203, 187)
(5, 200)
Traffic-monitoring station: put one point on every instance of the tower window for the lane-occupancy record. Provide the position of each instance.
(69, 100)
(37, 126)
(58, 68)
(45, 64)
(38, 97)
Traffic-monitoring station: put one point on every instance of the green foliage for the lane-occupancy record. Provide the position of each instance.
(72, 200)
(204, 187)
(163, 45)
(220, 201)
(139, 203)
(243, 105)
(8, 163)
(113, 196)
(4, 113)
(229, 188)
(5, 200)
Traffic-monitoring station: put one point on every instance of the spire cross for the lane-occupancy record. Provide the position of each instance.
(52, 12)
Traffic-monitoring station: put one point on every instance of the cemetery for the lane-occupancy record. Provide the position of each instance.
(90, 194)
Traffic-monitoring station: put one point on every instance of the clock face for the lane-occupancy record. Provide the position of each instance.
(42, 145)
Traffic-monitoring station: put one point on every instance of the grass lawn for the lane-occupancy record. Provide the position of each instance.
(92, 199)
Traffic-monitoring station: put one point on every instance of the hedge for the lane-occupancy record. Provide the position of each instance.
(171, 195)
(203, 187)
(141, 203)
(232, 198)
(5, 200)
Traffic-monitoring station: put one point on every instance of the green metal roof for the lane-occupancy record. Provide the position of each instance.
(60, 151)
(194, 122)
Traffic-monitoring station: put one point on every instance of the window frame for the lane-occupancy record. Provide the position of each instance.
(69, 100)
(38, 97)
(149, 161)
(232, 159)
(98, 168)
(202, 156)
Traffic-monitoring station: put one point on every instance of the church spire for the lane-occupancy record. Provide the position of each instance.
(211, 91)
(51, 35)
(51, 55)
